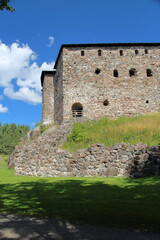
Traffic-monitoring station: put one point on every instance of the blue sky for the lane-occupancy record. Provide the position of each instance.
(31, 36)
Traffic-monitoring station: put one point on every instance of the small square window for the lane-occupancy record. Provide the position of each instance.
(97, 71)
(149, 73)
(132, 72)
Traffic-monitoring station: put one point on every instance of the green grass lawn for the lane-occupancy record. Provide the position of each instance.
(118, 202)
(145, 129)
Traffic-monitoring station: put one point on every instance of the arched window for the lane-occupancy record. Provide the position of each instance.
(77, 110)
(99, 53)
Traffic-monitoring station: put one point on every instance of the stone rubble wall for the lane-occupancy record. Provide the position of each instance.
(45, 157)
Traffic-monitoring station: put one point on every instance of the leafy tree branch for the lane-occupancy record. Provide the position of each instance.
(4, 4)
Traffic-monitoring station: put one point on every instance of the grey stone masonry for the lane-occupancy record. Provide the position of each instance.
(44, 157)
(47, 80)
(103, 80)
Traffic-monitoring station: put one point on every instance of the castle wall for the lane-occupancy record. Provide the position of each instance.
(48, 98)
(44, 157)
(58, 92)
(126, 95)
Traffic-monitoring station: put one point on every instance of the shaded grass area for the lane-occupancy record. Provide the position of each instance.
(118, 202)
(145, 129)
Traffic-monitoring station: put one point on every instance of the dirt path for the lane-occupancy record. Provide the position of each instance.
(29, 228)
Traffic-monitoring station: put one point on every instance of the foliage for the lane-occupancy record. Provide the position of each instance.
(10, 135)
(145, 129)
(44, 127)
(4, 4)
(118, 202)
(37, 124)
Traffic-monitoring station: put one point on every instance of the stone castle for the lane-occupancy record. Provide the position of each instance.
(102, 80)
(94, 81)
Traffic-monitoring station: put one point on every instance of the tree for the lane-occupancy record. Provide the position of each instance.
(10, 136)
(4, 4)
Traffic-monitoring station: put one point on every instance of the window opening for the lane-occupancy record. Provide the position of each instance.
(121, 53)
(136, 52)
(99, 53)
(115, 73)
(77, 110)
(97, 71)
(149, 73)
(82, 53)
(132, 72)
(106, 102)
(146, 51)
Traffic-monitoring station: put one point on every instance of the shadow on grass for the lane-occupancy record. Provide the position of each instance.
(135, 203)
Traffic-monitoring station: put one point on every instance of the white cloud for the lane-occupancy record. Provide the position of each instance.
(51, 41)
(19, 70)
(24, 94)
(3, 109)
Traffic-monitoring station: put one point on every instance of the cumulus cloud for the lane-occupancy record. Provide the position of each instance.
(24, 94)
(3, 109)
(20, 71)
(51, 41)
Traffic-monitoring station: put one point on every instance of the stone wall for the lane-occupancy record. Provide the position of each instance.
(102, 75)
(48, 98)
(58, 92)
(45, 157)
(90, 80)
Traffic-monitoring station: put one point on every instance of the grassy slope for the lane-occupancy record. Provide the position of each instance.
(145, 129)
(122, 202)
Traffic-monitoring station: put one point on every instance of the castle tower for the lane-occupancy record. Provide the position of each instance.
(47, 83)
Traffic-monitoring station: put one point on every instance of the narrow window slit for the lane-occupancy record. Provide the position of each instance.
(82, 53)
(121, 53)
(146, 51)
(136, 52)
(99, 53)
(115, 73)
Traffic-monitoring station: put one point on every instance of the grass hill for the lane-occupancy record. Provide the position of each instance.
(145, 129)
